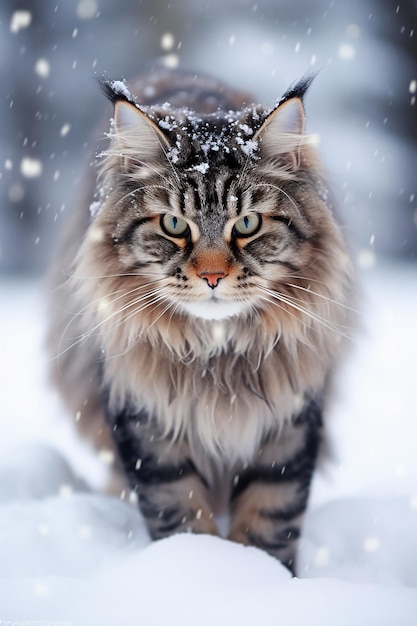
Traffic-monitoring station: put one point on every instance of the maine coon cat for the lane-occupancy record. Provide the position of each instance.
(202, 303)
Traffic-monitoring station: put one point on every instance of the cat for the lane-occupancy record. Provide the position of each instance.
(202, 301)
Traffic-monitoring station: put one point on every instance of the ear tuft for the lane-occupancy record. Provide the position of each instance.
(299, 89)
(282, 134)
(115, 90)
(138, 136)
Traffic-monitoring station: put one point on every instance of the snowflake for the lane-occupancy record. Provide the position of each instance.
(20, 20)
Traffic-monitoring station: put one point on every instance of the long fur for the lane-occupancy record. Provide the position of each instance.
(123, 340)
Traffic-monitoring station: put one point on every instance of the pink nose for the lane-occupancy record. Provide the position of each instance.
(212, 278)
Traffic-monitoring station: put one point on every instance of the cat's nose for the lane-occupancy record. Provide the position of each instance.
(212, 278)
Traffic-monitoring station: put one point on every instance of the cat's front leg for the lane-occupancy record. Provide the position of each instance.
(269, 497)
(172, 494)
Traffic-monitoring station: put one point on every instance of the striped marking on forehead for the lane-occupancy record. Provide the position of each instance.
(218, 195)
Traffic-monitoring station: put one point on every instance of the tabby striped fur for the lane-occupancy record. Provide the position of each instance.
(208, 353)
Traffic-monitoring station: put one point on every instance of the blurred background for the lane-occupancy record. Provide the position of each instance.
(362, 104)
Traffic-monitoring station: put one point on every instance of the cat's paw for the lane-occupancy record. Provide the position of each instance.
(285, 553)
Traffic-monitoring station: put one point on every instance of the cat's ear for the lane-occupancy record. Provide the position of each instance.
(137, 131)
(281, 135)
(139, 137)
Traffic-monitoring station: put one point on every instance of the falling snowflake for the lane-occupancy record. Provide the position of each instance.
(20, 20)
(87, 9)
(31, 168)
(167, 41)
(346, 52)
(65, 130)
(371, 544)
(42, 68)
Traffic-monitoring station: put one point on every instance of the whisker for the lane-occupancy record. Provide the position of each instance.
(87, 309)
(326, 298)
(292, 201)
(244, 167)
(177, 178)
(151, 294)
(100, 276)
(134, 191)
(130, 292)
(134, 159)
(82, 311)
(167, 307)
(153, 302)
(95, 328)
(336, 328)
(129, 316)
(279, 306)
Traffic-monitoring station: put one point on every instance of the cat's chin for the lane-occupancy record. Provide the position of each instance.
(208, 310)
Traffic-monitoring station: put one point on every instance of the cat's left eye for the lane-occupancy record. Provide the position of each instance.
(174, 226)
(247, 225)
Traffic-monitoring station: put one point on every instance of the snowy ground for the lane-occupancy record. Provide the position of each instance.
(73, 556)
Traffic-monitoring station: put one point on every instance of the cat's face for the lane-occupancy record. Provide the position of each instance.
(215, 217)
(214, 243)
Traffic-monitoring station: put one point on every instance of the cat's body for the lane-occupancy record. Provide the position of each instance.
(208, 303)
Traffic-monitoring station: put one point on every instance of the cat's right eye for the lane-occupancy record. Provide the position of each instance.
(247, 225)
(174, 226)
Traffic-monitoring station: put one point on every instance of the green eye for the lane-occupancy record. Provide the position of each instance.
(247, 225)
(174, 226)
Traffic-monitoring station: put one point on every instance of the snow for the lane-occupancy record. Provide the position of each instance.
(100, 197)
(20, 20)
(249, 147)
(30, 167)
(209, 142)
(65, 129)
(87, 9)
(167, 41)
(95, 207)
(43, 68)
(173, 153)
(171, 60)
(346, 51)
(74, 556)
(201, 167)
(246, 129)
(120, 88)
(168, 123)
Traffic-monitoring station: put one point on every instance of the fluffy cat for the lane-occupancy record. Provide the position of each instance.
(202, 304)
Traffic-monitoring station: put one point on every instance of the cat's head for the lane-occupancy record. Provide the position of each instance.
(213, 217)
